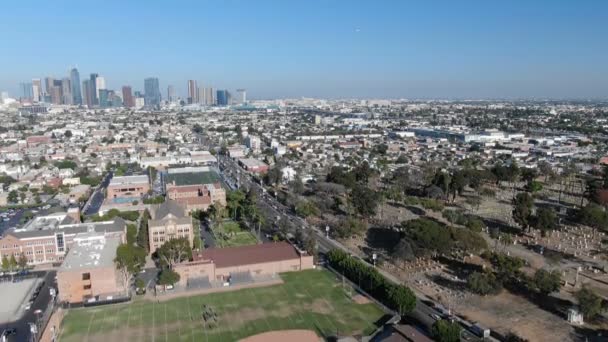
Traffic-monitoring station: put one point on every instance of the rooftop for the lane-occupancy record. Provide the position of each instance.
(192, 178)
(90, 250)
(125, 180)
(247, 255)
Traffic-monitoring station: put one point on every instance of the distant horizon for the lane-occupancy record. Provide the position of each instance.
(339, 49)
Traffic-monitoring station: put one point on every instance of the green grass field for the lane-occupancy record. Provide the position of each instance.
(230, 234)
(311, 300)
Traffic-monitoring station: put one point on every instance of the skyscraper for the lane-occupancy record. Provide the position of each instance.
(100, 83)
(93, 89)
(66, 91)
(56, 92)
(48, 84)
(209, 97)
(37, 90)
(86, 92)
(241, 96)
(75, 81)
(192, 91)
(105, 98)
(171, 93)
(222, 98)
(201, 95)
(127, 97)
(152, 92)
(26, 91)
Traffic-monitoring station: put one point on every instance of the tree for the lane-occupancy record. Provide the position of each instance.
(131, 234)
(593, 216)
(140, 285)
(349, 227)
(443, 180)
(483, 283)
(589, 302)
(68, 134)
(458, 183)
(403, 251)
(168, 277)
(364, 200)
(22, 262)
(428, 236)
(547, 282)
(142, 234)
(296, 185)
(522, 209)
(129, 261)
(6, 266)
(545, 220)
(402, 298)
(174, 251)
(534, 186)
(13, 197)
(12, 263)
(310, 243)
(444, 331)
(306, 209)
(362, 172)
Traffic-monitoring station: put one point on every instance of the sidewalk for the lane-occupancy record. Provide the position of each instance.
(53, 328)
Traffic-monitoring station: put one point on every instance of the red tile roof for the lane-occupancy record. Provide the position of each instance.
(247, 255)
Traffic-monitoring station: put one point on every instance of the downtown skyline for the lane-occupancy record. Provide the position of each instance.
(336, 50)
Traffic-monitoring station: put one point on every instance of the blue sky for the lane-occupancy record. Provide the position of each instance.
(321, 48)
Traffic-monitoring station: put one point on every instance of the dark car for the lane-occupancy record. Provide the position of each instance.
(9, 332)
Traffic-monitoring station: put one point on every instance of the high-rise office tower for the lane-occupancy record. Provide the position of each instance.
(56, 92)
(66, 91)
(241, 96)
(105, 98)
(152, 92)
(36, 90)
(171, 93)
(100, 83)
(26, 91)
(209, 96)
(93, 89)
(76, 91)
(48, 84)
(86, 93)
(127, 97)
(201, 95)
(222, 97)
(192, 91)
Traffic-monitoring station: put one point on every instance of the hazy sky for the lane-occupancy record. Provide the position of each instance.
(321, 48)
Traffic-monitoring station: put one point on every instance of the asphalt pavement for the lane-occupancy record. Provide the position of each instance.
(94, 204)
(40, 303)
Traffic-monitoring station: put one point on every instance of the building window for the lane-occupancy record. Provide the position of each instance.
(60, 242)
(87, 287)
(86, 276)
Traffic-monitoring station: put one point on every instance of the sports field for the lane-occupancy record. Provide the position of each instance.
(311, 300)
